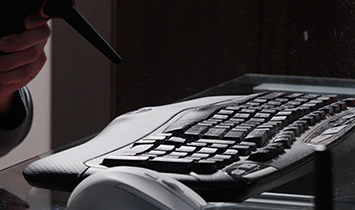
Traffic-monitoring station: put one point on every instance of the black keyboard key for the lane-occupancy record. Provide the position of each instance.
(261, 155)
(294, 103)
(294, 95)
(288, 114)
(274, 103)
(273, 95)
(327, 110)
(274, 151)
(220, 126)
(304, 123)
(197, 144)
(256, 121)
(252, 104)
(205, 167)
(336, 107)
(215, 133)
(302, 100)
(282, 119)
(172, 165)
(290, 134)
(233, 153)
(216, 141)
(244, 116)
(121, 160)
(286, 107)
(219, 163)
(212, 122)
(226, 112)
(249, 111)
(266, 116)
(242, 149)
(270, 127)
(175, 141)
(177, 154)
(220, 147)
(282, 100)
(268, 131)
(199, 156)
(278, 125)
(259, 137)
(304, 110)
(326, 100)
(156, 137)
(227, 124)
(294, 112)
(279, 146)
(321, 114)
(233, 108)
(235, 136)
(208, 150)
(188, 149)
(165, 147)
(248, 167)
(311, 96)
(245, 128)
(300, 126)
(148, 141)
(342, 105)
(310, 120)
(259, 100)
(318, 103)
(269, 111)
(249, 125)
(220, 117)
(224, 157)
(207, 123)
(283, 140)
(312, 106)
(350, 102)
(196, 131)
(334, 98)
(222, 160)
(294, 129)
(252, 145)
(236, 121)
(316, 117)
(155, 153)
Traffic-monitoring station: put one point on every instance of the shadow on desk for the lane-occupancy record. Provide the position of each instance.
(11, 201)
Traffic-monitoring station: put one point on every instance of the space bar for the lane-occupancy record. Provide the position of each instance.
(160, 164)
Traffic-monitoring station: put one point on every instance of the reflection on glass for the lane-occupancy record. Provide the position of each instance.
(11, 201)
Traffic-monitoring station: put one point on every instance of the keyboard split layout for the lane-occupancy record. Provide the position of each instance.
(258, 130)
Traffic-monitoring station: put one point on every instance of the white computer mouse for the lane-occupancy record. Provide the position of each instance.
(133, 188)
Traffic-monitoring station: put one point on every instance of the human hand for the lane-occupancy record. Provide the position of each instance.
(24, 59)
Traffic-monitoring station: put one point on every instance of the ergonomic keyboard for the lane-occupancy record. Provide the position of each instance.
(226, 148)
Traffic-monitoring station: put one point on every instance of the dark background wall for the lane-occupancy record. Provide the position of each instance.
(173, 49)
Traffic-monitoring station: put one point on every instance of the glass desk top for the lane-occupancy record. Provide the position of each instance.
(16, 193)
